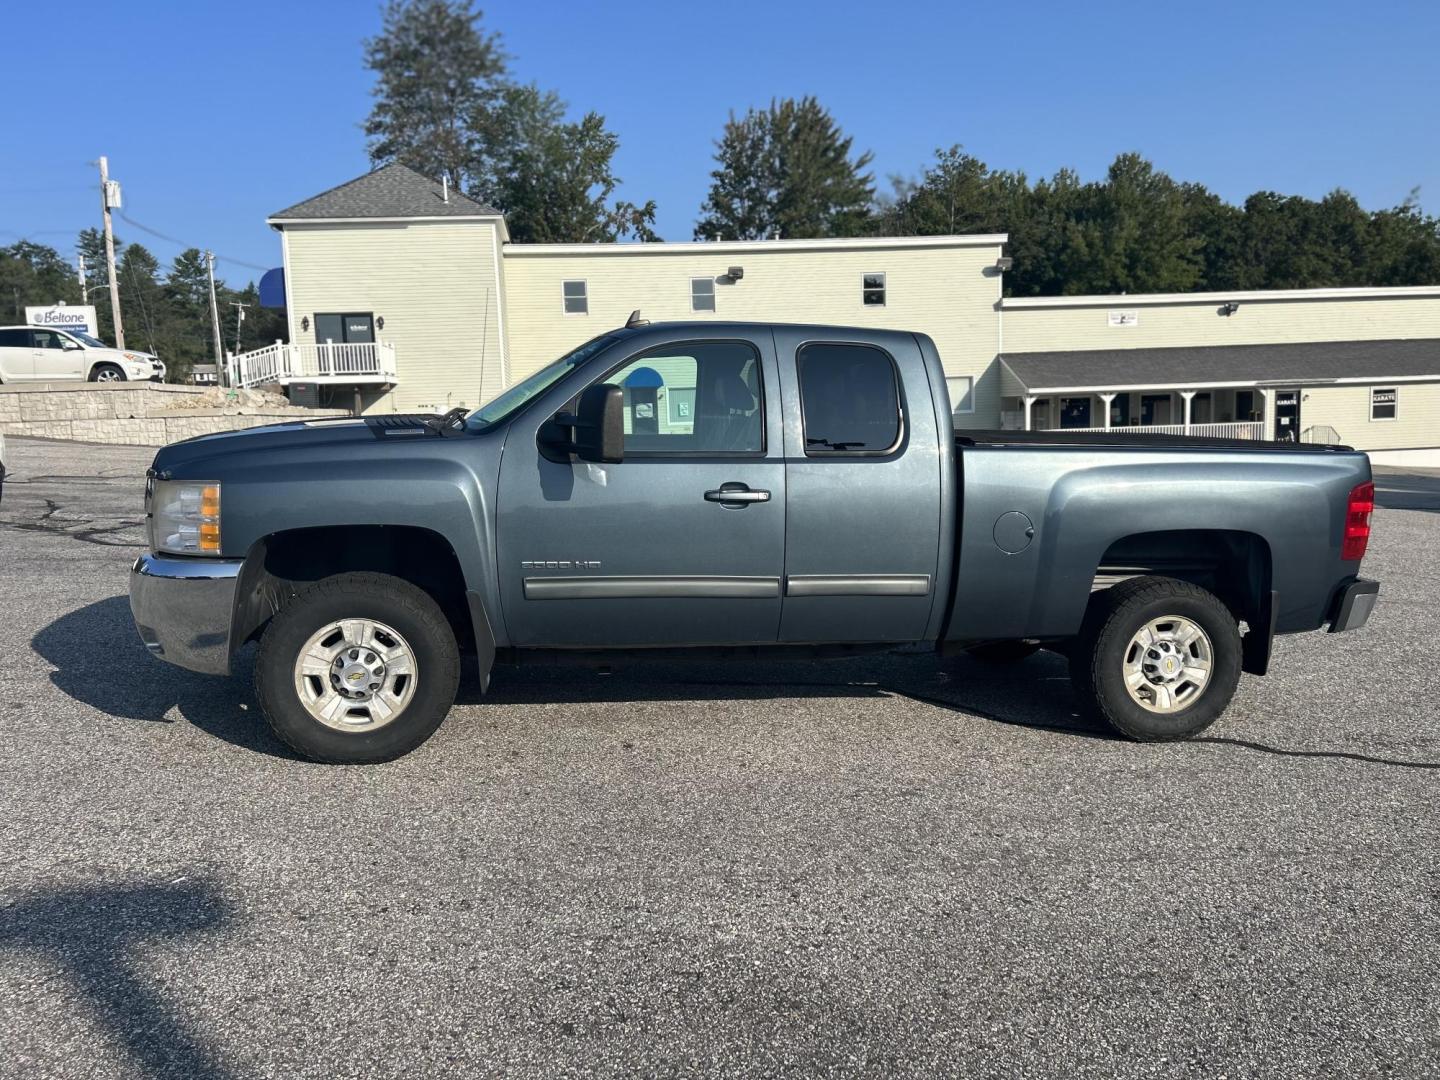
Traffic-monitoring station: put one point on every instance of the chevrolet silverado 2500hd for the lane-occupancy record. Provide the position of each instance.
(733, 488)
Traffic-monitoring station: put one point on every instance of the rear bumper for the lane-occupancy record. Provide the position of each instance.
(1353, 604)
(183, 609)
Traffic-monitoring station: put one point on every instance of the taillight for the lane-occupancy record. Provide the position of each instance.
(1357, 522)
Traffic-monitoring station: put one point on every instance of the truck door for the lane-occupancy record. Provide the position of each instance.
(681, 543)
(862, 482)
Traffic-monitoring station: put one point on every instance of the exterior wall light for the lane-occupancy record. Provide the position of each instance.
(380, 322)
(1005, 262)
(735, 273)
(1230, 308)
(304, 322)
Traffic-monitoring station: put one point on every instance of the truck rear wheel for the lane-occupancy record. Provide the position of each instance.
(1158, 659)
(357, 668)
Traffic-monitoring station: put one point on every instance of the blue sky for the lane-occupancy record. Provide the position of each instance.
(214, 116)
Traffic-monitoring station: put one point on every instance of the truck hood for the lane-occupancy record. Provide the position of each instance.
(206, 456)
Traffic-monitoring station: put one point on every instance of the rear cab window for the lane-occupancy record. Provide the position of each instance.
(849, 399)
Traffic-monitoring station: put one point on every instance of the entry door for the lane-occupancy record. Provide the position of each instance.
(863, 483)
(52, 359)
(1287, 415)
(683, 542)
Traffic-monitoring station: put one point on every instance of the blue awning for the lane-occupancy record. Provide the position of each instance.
(272, 288)
(645, 378)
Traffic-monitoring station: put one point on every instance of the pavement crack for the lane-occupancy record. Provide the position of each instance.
(1343, 755)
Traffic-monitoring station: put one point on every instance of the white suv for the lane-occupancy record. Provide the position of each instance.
(47, 354)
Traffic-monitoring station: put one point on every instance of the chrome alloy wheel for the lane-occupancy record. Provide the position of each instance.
(356, 675)
(1168, 664)
(108, 375)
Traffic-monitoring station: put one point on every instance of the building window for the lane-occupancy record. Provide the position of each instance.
(577, 299)
(1383, 402)
(849, 399)
(962, 390)
(872, 290)
(702, 294)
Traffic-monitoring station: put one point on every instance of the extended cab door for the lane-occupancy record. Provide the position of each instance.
(681, 543)
(863, 487)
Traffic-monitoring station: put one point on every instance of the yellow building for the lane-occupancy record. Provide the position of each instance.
(404, 297)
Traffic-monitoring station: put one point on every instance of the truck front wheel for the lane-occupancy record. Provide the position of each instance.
(357, 668)
(1158, 659)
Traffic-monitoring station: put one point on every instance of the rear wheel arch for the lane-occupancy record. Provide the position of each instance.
(1235, 565)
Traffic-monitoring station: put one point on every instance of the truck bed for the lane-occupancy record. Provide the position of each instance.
(1125, 437)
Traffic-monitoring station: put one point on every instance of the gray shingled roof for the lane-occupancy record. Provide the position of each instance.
(1309, 362)
(391, 191)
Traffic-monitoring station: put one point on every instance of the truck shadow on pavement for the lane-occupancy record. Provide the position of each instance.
(93, 935)
(99, 661)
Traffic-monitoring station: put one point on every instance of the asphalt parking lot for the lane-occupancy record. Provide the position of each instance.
(894, 866)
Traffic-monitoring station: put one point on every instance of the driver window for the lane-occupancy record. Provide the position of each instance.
(48, 339)
(693, 398)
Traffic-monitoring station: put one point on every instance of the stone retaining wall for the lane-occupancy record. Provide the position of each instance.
(137, 414)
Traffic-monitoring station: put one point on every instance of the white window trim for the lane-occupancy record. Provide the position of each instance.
(574, 281)
(884, 288)
(1396, 404)
(714, 297)
(954, 410)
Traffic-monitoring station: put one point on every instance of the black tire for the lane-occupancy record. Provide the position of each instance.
(390, 600)
(114, 372)
(1115, 616)
(1002, 653)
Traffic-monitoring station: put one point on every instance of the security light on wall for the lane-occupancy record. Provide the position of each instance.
(1230, 308)
(735, 273)
(1005, 262)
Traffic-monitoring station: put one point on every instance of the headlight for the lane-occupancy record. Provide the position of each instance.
(185, 517)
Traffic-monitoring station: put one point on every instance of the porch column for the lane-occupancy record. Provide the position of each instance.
(1107, 399)
(1266, 422)
(1029, 402)
(1189, 396)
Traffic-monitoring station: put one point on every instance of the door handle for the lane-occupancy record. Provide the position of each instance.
(733, 496)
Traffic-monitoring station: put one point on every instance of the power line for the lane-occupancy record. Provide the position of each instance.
(181, 243)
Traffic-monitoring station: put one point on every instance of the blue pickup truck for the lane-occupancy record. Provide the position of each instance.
(733, 489)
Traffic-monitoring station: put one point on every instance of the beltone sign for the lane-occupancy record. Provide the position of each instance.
(79, 317)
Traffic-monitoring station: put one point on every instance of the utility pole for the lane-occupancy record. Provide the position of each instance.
(214, 311)
(239, 318)
(110, 198)
(84, 285)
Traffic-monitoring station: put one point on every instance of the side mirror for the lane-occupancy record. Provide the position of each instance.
(70, 346)
(598, 424)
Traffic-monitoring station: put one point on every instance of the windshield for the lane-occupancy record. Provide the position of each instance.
(508, 403)
(86, 339)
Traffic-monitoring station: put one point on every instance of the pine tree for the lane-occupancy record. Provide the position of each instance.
(786, 172)
(439, 79)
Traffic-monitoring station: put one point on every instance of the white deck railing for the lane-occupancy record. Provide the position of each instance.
(1245, 429)
(281, 363)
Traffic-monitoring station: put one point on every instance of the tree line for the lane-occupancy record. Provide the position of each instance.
(445, 104)
(165, 309)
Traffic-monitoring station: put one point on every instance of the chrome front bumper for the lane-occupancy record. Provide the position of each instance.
(183, 608)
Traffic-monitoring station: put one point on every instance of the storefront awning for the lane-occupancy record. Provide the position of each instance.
(1304, 364)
